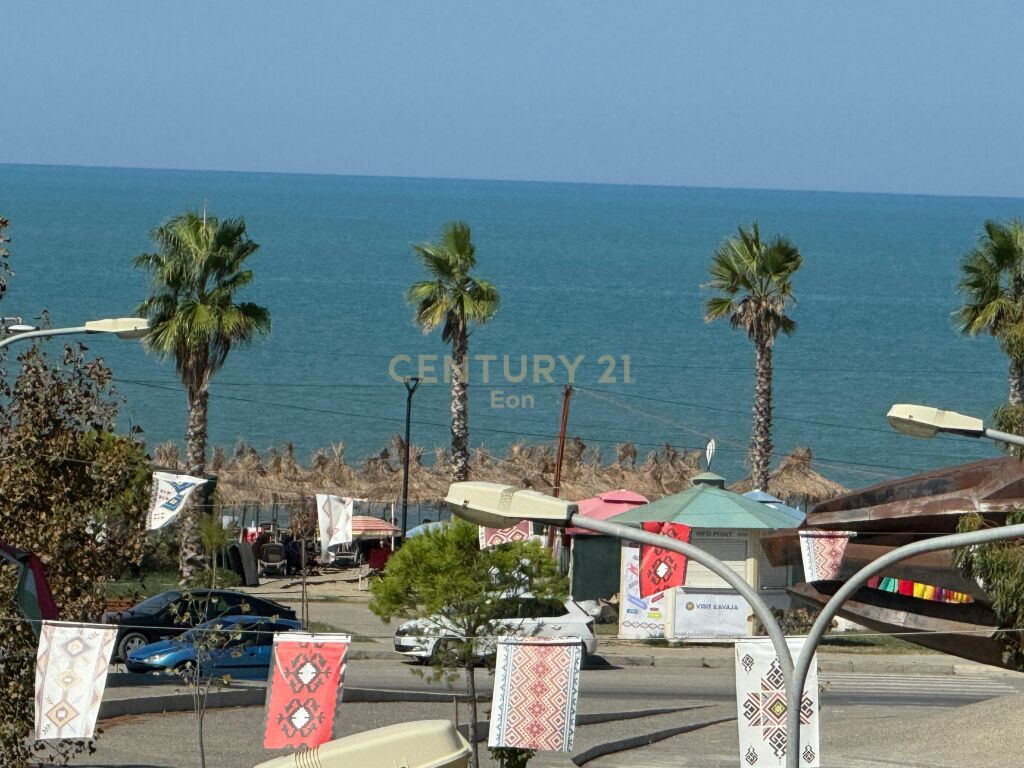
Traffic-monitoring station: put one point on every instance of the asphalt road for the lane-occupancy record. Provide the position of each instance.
(234, 736)
(665, 686)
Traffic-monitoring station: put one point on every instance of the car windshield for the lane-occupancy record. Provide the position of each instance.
(156, 603)
(192, 635)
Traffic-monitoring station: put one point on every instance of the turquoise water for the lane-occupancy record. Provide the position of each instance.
(584, 271)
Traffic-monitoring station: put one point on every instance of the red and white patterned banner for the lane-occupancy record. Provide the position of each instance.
(761, 707)
(822, 553)
(306, 676)
(662, 569)
(71, 674)
(536, 687)
(492, 537)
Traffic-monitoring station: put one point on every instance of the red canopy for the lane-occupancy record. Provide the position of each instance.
(605, 505)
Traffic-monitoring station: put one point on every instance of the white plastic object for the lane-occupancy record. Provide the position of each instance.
(419, 744)
(501, 506)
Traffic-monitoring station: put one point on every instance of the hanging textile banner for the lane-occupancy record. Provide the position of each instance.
(761, 706)
(536, 687)
(306, 676)
(641, 618)
(662, 569)
(170, 492)
(335, 516)
(71, 673)
(822, 553)
(492, 537)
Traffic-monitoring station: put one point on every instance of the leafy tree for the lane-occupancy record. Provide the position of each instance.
(461, 593)
(753, 282)
(198, 268)
(454, 299)
(75, 494)
(992, 286)
(215, 537)
(999, 566)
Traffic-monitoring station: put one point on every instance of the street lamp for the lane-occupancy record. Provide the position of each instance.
(496, 505)
(502, 506)
(411, 383)
(926, 422)
(122, 327)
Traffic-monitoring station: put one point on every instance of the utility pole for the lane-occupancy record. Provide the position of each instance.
(411, 383)
(560, 455)
(566, 394)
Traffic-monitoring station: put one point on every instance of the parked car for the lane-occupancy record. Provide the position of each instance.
(425, 639)
(243, 651)
(175, 611)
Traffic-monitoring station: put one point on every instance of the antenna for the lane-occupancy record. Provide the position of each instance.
(709, 452)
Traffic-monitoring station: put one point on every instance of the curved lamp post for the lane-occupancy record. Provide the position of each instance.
(122, 327)
(499, 506)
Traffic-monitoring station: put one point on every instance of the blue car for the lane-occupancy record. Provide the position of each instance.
(241, 648)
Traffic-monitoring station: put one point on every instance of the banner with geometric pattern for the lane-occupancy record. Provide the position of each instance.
(71, 674)
(761, 706)
(662, 569)
(170, 492)
(536, 687)
(493, 537)
(304, 693)
(822, 553)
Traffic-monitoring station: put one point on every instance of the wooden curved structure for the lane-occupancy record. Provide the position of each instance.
(889, 515)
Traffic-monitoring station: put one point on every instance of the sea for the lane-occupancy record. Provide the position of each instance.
(601, 287)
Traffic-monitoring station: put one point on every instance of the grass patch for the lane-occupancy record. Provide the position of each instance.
(144, 586)
(855, 642)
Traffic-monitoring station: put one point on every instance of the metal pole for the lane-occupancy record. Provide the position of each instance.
(411, 383)
(709, 561)
(795, 682)
(560, 453)
(44, 332)
(1003, 437)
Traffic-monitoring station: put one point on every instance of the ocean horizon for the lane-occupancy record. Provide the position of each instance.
(600, 281)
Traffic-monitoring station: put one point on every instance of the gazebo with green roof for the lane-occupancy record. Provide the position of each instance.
(729, 526)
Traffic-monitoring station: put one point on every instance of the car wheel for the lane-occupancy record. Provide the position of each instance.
(186, 670)
(130, 642)
(584, 656)
(443, 651)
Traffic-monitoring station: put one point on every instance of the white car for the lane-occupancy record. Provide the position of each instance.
(425, 639)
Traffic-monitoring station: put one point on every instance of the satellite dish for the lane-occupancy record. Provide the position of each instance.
(709, 452)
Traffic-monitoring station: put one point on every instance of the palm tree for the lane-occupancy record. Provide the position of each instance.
(753, 280)
(199, 265)
(453, 299)
(992, 285)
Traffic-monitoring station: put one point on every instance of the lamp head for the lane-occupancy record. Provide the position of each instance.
(924, 421)
(501, 506)
(124, 327)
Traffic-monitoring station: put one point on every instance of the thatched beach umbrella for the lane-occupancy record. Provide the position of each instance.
(795, 482)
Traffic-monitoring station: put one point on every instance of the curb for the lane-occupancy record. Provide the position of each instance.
(611, 747)
(252, 696)
(828, 664)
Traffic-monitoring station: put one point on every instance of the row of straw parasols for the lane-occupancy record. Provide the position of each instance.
(248, 476)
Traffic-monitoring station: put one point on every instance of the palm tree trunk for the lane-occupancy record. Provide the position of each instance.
(195, 464)
(761, 441)
(1016, 382)
(460, 407)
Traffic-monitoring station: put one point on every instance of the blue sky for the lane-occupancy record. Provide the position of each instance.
(909, 96)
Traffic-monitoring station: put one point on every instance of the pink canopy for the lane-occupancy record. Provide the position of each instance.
(605, 505)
